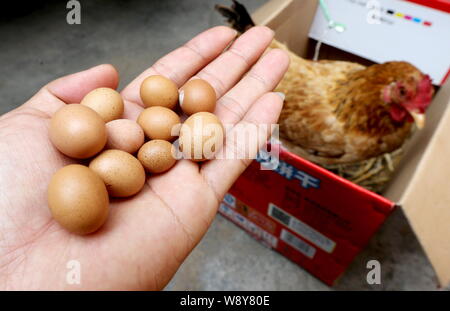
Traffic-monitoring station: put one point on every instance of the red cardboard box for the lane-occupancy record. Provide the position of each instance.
(308, 214)
(322, 221)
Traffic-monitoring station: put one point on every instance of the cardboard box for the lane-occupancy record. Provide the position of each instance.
(393, 27)
(321, 221)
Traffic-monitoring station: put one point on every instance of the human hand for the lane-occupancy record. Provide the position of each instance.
(147, 236)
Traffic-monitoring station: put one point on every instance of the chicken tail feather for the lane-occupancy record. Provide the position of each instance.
(237, 16)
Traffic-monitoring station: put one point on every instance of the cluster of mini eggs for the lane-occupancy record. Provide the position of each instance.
(114, 150)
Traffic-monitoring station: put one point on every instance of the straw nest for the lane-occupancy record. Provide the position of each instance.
(372, 174)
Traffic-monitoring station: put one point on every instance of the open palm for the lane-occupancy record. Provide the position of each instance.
(146, 237)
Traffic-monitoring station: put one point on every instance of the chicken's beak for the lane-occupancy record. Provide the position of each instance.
(419, 119)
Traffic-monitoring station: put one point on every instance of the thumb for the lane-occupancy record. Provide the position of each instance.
(72, 88)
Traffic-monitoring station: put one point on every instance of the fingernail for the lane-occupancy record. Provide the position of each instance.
(271, 31)
(281, 94)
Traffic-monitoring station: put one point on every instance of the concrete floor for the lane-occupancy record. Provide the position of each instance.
(40, 46)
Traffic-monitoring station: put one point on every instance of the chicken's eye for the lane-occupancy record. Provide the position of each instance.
(402, 91)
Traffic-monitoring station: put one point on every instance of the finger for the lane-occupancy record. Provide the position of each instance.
(185, 61)
(228, 68)
(262, 78)
(263, 111)
(72, 88)
(131, 110)
(220, 174)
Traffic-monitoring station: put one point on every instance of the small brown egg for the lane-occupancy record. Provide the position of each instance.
(159, 91)
(78, 199)
(125, 135)
(159, 123)
(77, 131)
(201, 136)
(157, 156)
(197, 96)
(106, 102)
(122, 173)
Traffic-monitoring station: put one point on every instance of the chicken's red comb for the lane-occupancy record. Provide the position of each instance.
(422, 99)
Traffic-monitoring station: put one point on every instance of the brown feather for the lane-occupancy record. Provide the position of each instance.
(335, 112)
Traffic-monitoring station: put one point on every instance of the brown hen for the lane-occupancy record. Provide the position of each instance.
(344, 112)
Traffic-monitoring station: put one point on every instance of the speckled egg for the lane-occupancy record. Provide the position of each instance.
(201, 136)
(157, 156)
(159, 91)
(106, 102)
(78, 199)
(197, 96)
(77, 131)
(159, 123)
(125, 135)
(122, 173)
